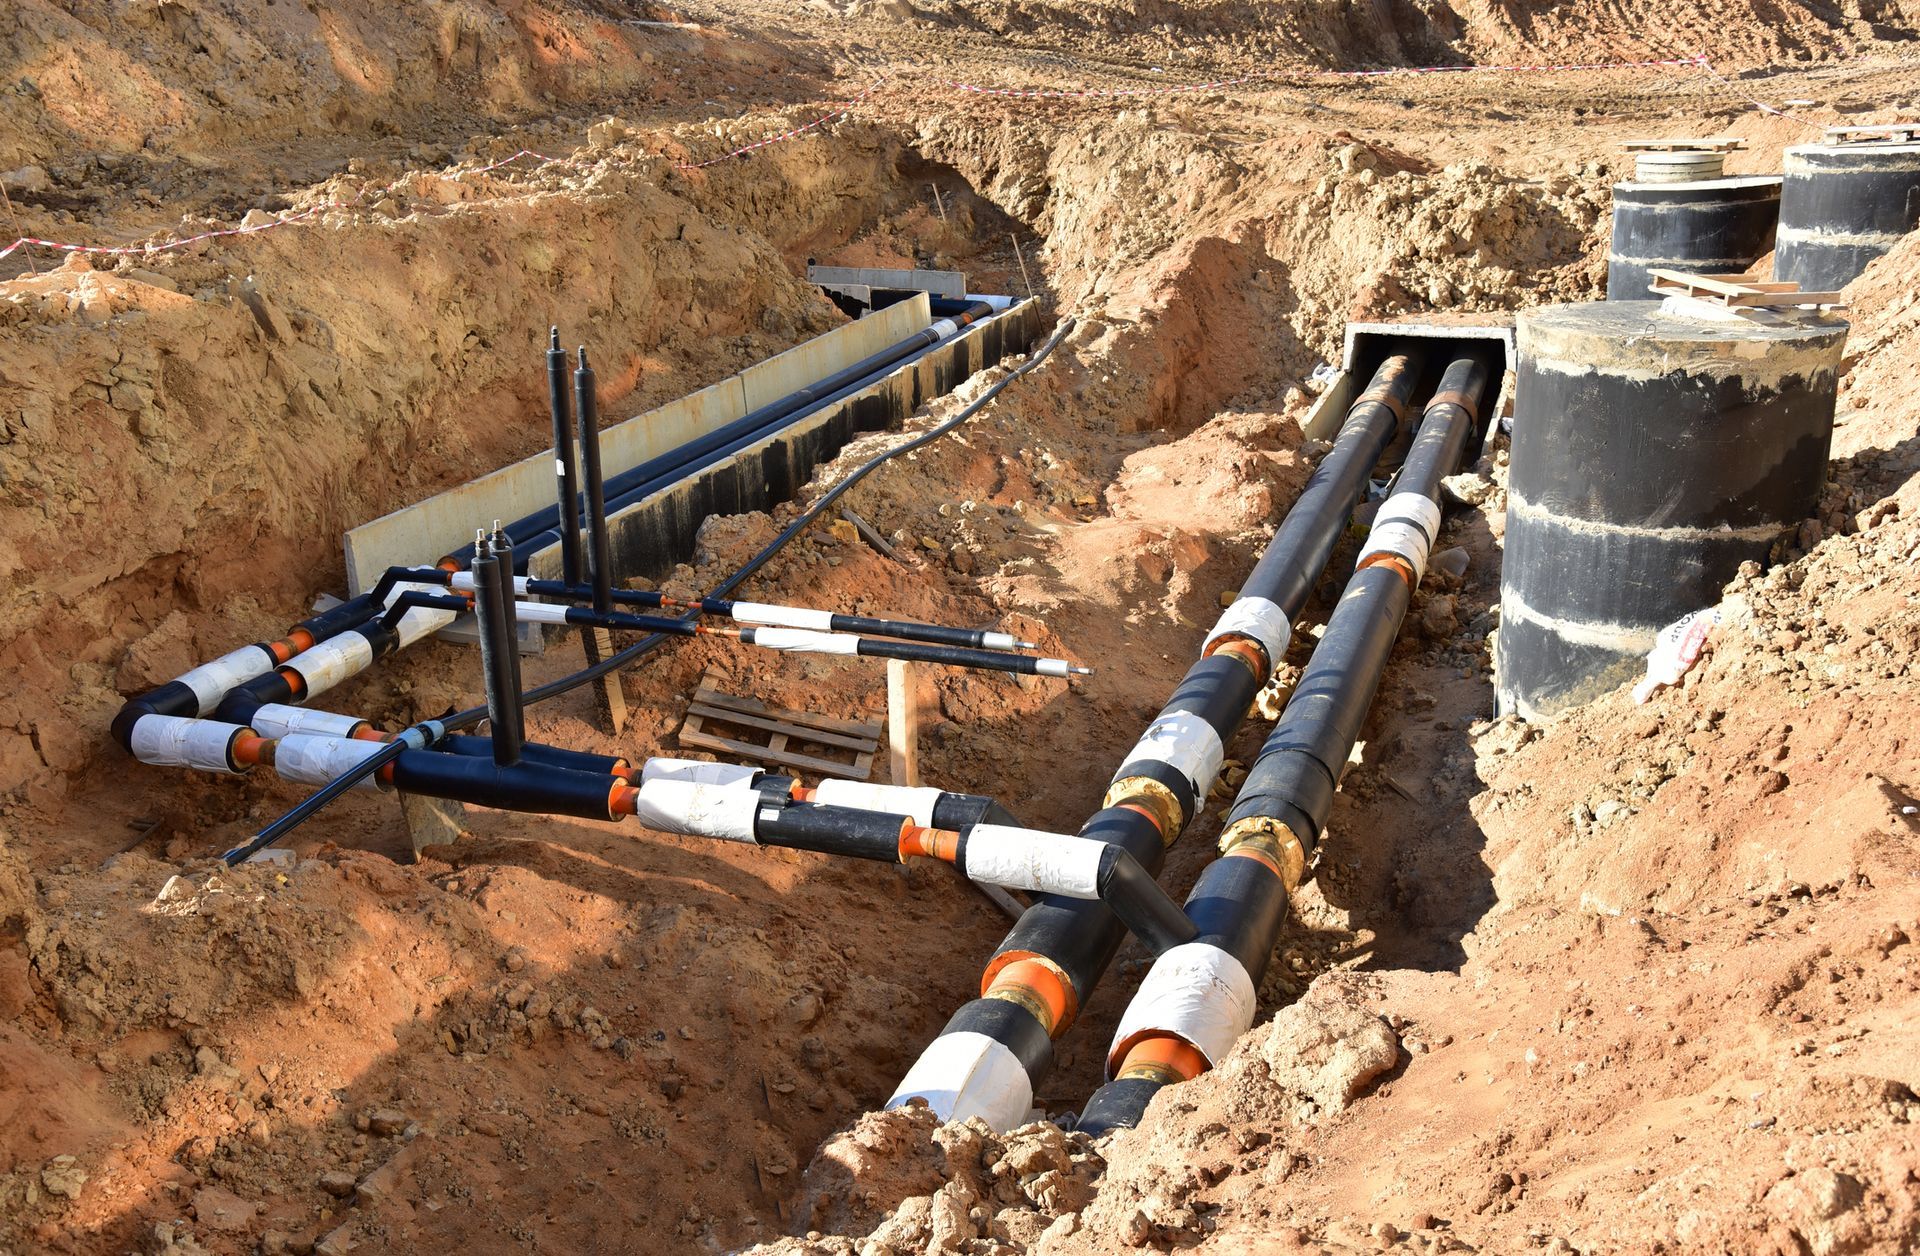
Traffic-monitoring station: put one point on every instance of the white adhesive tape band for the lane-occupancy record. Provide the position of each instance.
(698, 809)
(806, 641)
(945, 328)
(698, 771)
(1415, 508)
(782, 616)
(275, 720)
(540, 612)
(1186, 743)
(312, 760)
(332, 661)
(172, 741)
(1196, 992)
(968, 1074)
(913, 801)
(211, 681)
(1029, 859)
(1259, 619)
(421, 621)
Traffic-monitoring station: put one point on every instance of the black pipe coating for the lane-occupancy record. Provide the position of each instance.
(586, 403)
(496, 674)
(566, 481)
(518, 786)
(831, 830)
(535, 753)
(510, 605)
(1139, 902)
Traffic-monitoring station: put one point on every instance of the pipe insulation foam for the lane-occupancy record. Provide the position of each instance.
(1258, 619)
(332, 662)
(276, 720)
(1196, 992)
(1187, 744)
(1405, 527)
(314, 760)
(913, 801)
(782, 616)
(174, 741)
(968, 1074)
(804, 640)
(698, 771)
(1029, 859)
(211, 681)
(698, 808)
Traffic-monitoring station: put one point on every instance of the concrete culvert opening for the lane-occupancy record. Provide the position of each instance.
(1121, 396)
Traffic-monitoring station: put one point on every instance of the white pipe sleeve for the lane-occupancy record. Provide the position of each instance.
(968, 1074)
(1259, 619)
(540, 612)
(1188, 744)
(1196, 992)
(421, 621)
(463, 581)
(1405, 528)
(913, 801)
(698, 771)
(275, 720)
(332, 662)
(314, 760)
(945, 329)
(173, 741)
(1028, 859)
(1052, 667)
(999, 641)
(211, 681)
(698, 809)
(993, 300)
(782, 616)
(805, 641)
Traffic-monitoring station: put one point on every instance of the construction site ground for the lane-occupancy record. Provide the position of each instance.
(1637, 979)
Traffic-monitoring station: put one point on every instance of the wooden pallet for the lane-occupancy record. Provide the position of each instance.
(724, 724)
(1735, 291)
(1885, 133)
(1718, 144)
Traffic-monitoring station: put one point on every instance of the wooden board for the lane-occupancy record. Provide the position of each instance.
(1883, 133)
(1736, 291)
(822, 744)
(1718, 144)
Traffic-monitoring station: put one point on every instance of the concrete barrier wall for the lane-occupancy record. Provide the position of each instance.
(423, 532)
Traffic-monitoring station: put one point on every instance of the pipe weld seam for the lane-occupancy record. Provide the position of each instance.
(1620, 638)
(1519, 507)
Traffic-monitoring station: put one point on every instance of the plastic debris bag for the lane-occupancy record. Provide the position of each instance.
(1675, 651)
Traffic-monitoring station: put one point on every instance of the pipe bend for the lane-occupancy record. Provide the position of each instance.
(1137, 899)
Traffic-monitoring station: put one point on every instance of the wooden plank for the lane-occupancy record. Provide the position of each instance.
(746, 750)
(869, 533)
(903, 723)
(806, 719)
(1718, 144)
(823, 737)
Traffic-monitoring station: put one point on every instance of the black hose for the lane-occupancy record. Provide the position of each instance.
(431, 730)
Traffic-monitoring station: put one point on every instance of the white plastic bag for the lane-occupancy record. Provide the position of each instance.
(1675, 651)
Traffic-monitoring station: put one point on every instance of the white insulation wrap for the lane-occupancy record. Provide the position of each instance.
(804, 640)
(945, 328)
(968, 1074)
(211, 681)
(1259, 619)
(463, 581)
(1196, 992)
(782, 616)
(312, 760)
(698, 808)
(698, 771)
(172, 741)
(999, 641)
(540, 612)
(333, 661)
(1028, 859)
(1405, 527)
(275, 720)
(913, 801)
(421, 621)
(1185, 742)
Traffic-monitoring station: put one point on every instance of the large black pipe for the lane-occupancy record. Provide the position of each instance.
(586, 403)
(566, 484)
(503, 559)
(490, 617)
(535, 752)
(1238, 905)
(1151, 802)
(520, 786)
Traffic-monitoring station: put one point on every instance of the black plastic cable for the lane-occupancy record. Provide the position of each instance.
(429, 731)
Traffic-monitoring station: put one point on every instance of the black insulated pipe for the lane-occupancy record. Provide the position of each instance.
(1238, 904)
(503, 559)
(536, 753)
(489, 613)
(600, 554)
(517, 786)
(566, 481)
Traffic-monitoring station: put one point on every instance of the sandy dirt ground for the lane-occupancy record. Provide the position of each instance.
(1637, 979)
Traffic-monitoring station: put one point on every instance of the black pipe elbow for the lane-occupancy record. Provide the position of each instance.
(243, 702)
(172, 698)
(337, 619)
(1132, 894)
